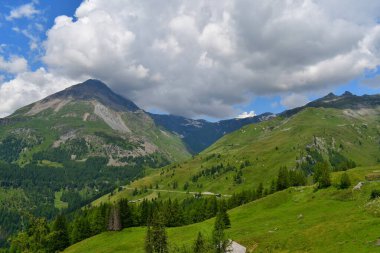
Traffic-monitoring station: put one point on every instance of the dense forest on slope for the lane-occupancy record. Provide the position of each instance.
(41, 190)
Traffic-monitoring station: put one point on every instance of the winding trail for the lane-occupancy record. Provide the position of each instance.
(183, 192)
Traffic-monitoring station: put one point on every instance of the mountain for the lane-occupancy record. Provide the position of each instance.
(346, 101)
(92, 115)
(339, 131)
(343, 134)
(74, 146)
(254, 153)
(88, 119)
(200, 134)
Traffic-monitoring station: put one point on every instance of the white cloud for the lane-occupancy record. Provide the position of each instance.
(197, 58)
(14, 65)
(246, 115)
(23, 11)
(169, 46)
(294, 100)
(29, 87)
(34, 40)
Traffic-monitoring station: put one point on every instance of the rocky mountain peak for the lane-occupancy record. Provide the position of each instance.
(93, 89)
(347, 94)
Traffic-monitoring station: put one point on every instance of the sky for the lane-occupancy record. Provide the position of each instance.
(213, 59)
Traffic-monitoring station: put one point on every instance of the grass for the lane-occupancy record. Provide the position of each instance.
(58, 203)
(267, 146)
(51, 164)
(295, 220)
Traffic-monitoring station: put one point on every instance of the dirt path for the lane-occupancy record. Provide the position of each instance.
(183, 192)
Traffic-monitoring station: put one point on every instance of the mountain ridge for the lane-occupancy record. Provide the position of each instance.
(197, 134)
(345, 101)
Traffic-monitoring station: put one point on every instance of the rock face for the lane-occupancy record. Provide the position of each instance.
(95, 90)
(236, 248)
(111, 118)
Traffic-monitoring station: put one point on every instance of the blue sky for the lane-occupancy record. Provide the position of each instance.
(12, 37)
(197, 59)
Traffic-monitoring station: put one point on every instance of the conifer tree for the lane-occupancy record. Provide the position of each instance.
(98, 220)
(260, 190)
(158, 234)
(283, 179)
(126, 214)
(273, 186)
(322, 174)
(60, 238)
(224, 215)
(199, 244)
(148, 240)
(220, 241)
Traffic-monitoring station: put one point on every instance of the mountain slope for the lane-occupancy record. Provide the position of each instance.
(254, 153)
(89, 119)
(294, 220)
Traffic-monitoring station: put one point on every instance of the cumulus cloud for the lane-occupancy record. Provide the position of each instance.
(246, 115)
(23, 11)
(29, 87)
(294, 100)
(14, 65)
(202, 58)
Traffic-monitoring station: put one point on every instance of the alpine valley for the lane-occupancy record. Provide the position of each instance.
(86, 170)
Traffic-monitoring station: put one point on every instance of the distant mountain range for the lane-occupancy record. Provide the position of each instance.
(346, 101)
(107, 123)
(112, 125)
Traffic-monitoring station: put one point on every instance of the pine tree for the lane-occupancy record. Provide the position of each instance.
(148, 240)
(38, 231)
(199, 244)
(260, 190)
(224, 215)
(219, 239)
(61, 233)
(98, 220)
(322, 174)
(283, 179)
(126, 214)
(81, 229)
(158, 234)
(273, 186)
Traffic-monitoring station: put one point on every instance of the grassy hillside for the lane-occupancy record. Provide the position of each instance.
(257, 151)
(295, 220)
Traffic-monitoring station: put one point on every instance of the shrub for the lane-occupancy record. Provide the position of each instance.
(375, 193)
(345, 181)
